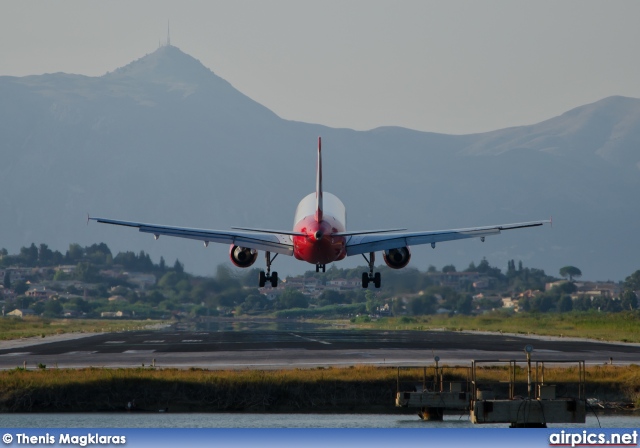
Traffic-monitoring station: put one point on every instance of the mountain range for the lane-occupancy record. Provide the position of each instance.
(165, 140)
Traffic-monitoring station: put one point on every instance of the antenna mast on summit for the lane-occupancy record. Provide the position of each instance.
(168, 35)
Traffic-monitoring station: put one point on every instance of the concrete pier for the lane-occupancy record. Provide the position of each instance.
(434, 396)
(530, 402)
(526, 413)
(498, 391)
(432, 405)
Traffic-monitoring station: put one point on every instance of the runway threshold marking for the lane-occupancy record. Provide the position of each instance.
(309, 339)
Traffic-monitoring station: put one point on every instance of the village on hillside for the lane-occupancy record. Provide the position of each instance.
(91, 283)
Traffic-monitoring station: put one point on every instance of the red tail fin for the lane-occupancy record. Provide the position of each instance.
(319, 183)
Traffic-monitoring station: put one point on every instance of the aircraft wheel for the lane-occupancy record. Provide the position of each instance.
(376, 280)
(365, 280)
(263, 279)
(274, 280)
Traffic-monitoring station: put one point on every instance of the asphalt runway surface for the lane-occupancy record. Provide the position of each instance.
(293, 346)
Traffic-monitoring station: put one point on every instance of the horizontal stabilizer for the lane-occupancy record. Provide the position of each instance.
(278, 232)
(367, 232)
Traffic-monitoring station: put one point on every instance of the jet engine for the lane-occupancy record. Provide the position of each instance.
(242, 257)
(397, 258)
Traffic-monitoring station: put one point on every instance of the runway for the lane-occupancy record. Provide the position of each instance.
(300, 345)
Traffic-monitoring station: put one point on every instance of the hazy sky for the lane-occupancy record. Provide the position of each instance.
(445, 66)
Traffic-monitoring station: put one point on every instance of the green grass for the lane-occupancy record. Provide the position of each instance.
(15, 328)
(623, 327)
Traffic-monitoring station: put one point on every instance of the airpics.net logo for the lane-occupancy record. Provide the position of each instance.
(586, 438)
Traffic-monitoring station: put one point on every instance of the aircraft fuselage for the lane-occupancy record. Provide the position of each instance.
(319, 246)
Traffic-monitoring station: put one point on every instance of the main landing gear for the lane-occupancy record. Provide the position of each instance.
(370, 276)
(269, 277)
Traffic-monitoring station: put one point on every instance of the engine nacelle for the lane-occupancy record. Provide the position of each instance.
(397, 258)
(242, 257)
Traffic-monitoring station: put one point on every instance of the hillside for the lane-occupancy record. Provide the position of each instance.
(165, 140)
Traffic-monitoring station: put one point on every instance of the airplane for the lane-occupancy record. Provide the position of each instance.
(320, 237)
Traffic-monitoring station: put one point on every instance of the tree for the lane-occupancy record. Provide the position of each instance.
(178, 267)
(169, 280)
(254, 302)
(633, 281)
(226, 278)
(582, 303)
(629, 300)
(329, 297)
(464, 305)
(422, 305)
(291, 299)
(6, 282)
(21, 287)
(86, 272)
(565, 304)
(45, 255)
(571, 272)
(543, 303)
(371, 301)
(397, 307)
(565, 288)
(99, 254)
(29, 255)
(449, 268)
(74, 254)
(53, 308)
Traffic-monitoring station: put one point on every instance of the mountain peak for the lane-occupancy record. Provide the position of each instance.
(167, 63)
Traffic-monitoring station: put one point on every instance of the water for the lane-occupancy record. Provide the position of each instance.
(201, 420)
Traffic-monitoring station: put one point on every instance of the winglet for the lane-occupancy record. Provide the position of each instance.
(551, 220)
(319, 183)
(88, 218)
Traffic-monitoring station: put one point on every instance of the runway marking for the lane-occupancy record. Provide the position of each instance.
(16, 354)
(114, 342)
(192, 340)
(309, 339)
(138, 351)
(81, 353)
(159, 341)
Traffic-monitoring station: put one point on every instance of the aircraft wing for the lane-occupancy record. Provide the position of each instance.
(360, 244)
(271, 242)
